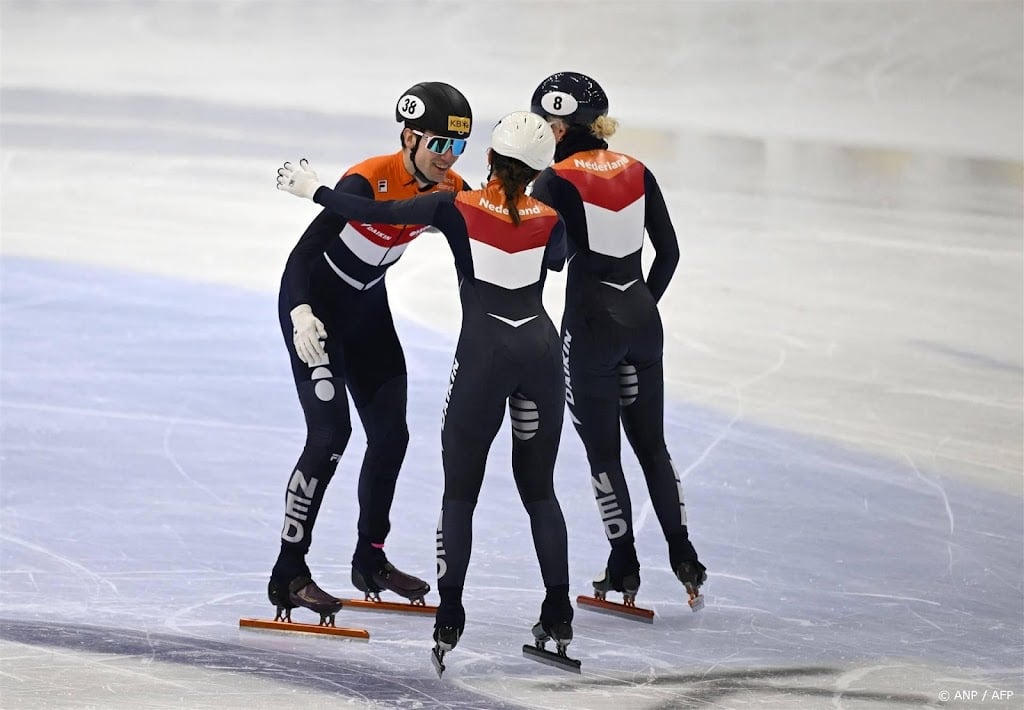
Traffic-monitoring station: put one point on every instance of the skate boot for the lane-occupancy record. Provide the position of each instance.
(302, 591)
(621, 575)
(449, 623)
(555, 621)
(688, 569)
(555, 625)
(372, 574)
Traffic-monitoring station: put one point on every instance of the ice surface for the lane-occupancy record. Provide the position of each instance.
(844, 352)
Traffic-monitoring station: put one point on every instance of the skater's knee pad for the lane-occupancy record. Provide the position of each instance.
(385, 408)
(384, 457)
(652, 454)
(330, 439)
(536, 491)
(604, 457)
(390, 442)
(384, 420)
(328, 425)
(544, 509)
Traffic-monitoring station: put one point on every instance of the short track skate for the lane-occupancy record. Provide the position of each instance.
(445, 639)
(627, 609)
(557, 658)
(388, 577)
(689, 570)
(696, 600)
(324, 628)
(303, 592)
(375, 603)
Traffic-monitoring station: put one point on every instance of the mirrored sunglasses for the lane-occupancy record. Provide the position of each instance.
(441, 144)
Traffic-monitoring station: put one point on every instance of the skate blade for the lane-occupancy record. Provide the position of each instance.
(435, 658)
(552, 659)
(299, 627)
(634, 613)
(405, 607)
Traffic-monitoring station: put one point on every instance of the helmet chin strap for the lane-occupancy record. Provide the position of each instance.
(416, 172)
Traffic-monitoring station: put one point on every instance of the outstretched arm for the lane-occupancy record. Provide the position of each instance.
(436, 209)
(302, 181)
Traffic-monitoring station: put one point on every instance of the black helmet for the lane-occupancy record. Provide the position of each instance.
(573, 97)
(436, 107)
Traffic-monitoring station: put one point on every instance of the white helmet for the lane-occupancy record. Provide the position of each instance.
(525, 136)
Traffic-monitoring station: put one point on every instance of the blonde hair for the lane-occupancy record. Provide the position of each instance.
(604, 127)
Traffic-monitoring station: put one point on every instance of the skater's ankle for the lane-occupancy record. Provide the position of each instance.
(289, 566)
(450, 611)
(450, 596)
(680, 549)
(368, 553)
(622, 559)
(557, 594)
(364, 544)
(556, 607)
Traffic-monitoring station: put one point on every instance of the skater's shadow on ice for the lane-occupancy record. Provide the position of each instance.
(145, 652)
(798, 685)
(347, 678)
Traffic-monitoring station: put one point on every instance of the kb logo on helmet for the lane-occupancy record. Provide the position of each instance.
(459, 124)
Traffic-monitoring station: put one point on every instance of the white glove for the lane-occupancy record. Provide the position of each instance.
(307, 332)
(300, 181)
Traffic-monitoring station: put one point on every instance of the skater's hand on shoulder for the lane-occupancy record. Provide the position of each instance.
(308, 332)
(300, 180)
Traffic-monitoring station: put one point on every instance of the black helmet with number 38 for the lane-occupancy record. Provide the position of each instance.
(573, 97)
(436, 107)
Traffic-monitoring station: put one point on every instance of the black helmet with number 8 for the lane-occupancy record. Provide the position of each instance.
(436, 107)
(573, 97)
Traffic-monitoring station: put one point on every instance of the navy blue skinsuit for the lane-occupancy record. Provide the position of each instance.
(508, 352)
(338, 268)
(612, 332)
